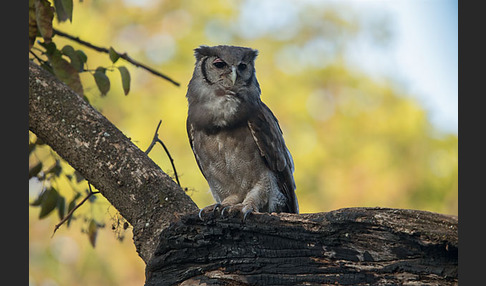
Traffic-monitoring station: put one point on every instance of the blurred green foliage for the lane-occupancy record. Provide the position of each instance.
(355, 141)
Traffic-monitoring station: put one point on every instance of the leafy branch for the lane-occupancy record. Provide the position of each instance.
(115, 55)
(41, 15)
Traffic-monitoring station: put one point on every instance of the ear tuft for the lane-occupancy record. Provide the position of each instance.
(254, 53)
(251, 55)
(202, 51)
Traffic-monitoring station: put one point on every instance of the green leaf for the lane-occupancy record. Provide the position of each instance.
(60, 12)
(56, 169)
(49, 202)
(50, 47)
(85, 98)
(40, 142)
(92, 232)
(46, 66)
(44, 13)
(64, 10)
(77, 59)
(31, 147)
(71, 206)
(114, 56)
(82, 56)
(63, 69)
(68, 50)
(35, 170)
(78, 176)
(68, 8)
(37, 202)
(125, 77)
(102, 81)
(33, 30)
(61, 207)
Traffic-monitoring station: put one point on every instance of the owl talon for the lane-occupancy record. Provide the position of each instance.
(248, 212)
(206, 209)
(236, 209)
(216, 207)
(223, 210)
(200, 212)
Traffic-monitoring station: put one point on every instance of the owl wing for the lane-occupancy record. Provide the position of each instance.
(268, 137)
(190, 133)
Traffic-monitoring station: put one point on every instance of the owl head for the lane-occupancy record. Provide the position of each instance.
(223, 90)
(226, 66)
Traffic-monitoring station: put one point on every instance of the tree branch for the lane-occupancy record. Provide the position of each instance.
(123, 56)
(144, 195)
(70, 213)
(156, 139)
(354, 246)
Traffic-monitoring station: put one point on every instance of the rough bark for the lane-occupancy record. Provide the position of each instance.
(143, 194)
(355, 246)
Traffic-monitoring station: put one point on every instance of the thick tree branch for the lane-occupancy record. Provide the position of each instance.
(355, 246)
(143, 194)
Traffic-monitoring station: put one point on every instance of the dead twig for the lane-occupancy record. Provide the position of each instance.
(154, 141)
(123, 56)
(70, 213)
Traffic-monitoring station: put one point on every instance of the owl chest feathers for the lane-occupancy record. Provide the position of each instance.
(222, 110)
(232, 164)
(217, 108)
(227, 156)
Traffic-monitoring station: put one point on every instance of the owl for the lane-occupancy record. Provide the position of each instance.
(235, 138)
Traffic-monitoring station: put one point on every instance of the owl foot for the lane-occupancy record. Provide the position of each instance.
(211, 208)
(237, 209)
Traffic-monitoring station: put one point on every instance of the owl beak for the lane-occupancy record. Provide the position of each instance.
(233, 74)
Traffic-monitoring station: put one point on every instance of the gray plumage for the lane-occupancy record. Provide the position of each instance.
(236, 139)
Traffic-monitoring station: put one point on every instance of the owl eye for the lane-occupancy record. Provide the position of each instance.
(219, 63)
(242, 67)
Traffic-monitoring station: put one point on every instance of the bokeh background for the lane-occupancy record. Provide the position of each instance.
(365, 92)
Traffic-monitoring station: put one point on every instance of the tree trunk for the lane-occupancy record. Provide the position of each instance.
(357, 246)
(143, 194)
